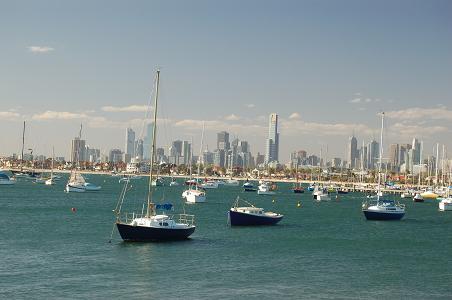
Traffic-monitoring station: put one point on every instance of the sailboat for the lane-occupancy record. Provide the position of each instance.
(150, 226)
(297, 189)
(51, 180)
(382, 209)
(194, 194)
(76, 182)
(446, 203)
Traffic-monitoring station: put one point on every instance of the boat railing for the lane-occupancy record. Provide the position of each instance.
(182, 218)
(187, 219)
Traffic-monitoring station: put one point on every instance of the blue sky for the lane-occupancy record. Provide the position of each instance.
(326, 67)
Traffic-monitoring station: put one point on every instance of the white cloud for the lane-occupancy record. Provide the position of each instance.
(130, 108)
(250, 105)
(232, 117)
(40, 49)
(295, 127)
(9, 115)
(58, 115)
(410, 130)
(417, 113)
(355, 100)
(294, 115)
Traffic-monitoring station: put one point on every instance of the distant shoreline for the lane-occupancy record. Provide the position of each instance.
(365, 187)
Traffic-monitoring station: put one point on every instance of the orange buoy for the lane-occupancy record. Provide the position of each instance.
(74, 209)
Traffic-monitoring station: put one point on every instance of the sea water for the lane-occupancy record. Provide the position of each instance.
(56, 245)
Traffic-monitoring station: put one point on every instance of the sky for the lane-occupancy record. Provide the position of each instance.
(328, 68)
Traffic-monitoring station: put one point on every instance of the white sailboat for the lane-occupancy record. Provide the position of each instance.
(193, 194)
(51, 180)
(76, 182)
(150, 226)
(446, 203)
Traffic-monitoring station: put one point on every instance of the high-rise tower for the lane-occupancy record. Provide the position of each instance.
(272, 145)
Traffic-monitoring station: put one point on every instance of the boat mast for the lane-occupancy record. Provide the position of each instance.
(200, 154)
(53, 159)
(23, 142)
(380, 155)
(154, 131)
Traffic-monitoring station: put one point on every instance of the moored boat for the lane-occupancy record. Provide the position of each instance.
(149, 226)
(251, 216)
(382, 209)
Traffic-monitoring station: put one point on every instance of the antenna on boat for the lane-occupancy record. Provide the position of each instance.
(380, 155)
(154, 131)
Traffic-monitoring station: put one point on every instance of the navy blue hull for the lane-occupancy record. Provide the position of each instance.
(149, 234)
(371, 215)
(244, 219)
(298, 191)
(250, 190)
(342, 192)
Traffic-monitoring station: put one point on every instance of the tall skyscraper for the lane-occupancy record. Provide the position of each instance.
(77, 150)
(373, 150)
(186, 152)
(272, 145)
(394, 155)
(129, 149)
(416, 146)
(223, 140)
(352, 154)
(139, 149)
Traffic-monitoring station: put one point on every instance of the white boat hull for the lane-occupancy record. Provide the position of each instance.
(445, 205)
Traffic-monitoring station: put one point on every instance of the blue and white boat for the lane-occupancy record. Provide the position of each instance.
(251, 216)
(382, 209)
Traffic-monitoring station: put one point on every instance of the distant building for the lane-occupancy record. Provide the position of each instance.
(223, 141)
(394, 156)
(77, 150)
(219, 158)
(416, 146)
(207, 157)
(352, 154)
(272, 145)
(139, 149)
(129, 148)
(373, 151)
(147, 141)
(115, 156)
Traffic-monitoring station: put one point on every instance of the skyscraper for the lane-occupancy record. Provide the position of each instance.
(416, 146)
(373, 150)
(77, 150)
(394, 155)
(129, 149)
(272, 145)
(223, 140)
(352, 155)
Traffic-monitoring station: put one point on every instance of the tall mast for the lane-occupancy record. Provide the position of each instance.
(53, 159)
(154, 131)
(23, 142)
(200, 153)
(380, 155)
(420, 166)
(436, 164)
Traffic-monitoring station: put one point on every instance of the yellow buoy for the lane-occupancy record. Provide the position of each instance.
(273, 200)
(298, 204)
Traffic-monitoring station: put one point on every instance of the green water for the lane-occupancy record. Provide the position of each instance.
(319, 251)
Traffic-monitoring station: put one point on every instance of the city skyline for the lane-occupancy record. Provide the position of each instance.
(349, 65)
